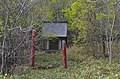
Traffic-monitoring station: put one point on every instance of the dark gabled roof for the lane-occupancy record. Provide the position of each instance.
(54, 29)
(117, 28)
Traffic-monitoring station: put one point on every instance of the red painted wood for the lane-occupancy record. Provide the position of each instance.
(33, 49)
(64, 59)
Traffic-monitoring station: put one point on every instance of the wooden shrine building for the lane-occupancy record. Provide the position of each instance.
(54, 33)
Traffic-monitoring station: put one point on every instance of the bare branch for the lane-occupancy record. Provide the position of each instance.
(21, 10)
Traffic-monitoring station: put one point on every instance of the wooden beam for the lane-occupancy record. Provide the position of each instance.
(48, 44)
(60, 44)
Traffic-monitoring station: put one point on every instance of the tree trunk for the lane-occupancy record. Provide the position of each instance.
(4, 46)
(103, 46)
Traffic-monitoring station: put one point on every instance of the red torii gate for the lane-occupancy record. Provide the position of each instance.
(32, 60)
(33, 50)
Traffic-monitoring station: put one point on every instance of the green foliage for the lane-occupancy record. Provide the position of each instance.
(101, 16)
(82, 18)
(76, 16)
(53, 0)
(56, 7)
(85, 16)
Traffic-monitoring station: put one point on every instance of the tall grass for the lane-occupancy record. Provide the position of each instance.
(81, 65)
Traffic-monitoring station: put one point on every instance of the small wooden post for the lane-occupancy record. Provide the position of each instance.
(33, 49)
(64, 59)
